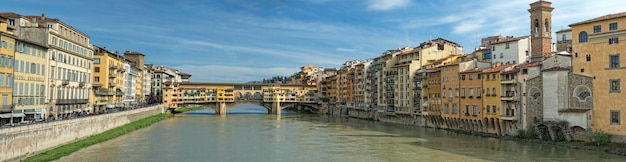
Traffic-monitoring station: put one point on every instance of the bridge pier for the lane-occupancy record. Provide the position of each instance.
(220, 108)
(275, 108)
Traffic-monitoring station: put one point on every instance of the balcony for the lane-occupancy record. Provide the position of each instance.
(508, 81)
(65, 82)
(509, 96)
(71, 101)
(81, 84)
(112, 75)
(104, 92)
(509, 114)
(113, 67)
(112, 84)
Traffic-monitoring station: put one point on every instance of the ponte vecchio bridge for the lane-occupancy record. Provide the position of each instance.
(223, 96)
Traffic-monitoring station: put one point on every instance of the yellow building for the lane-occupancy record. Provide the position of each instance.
(7, 54)
(108, 80)
(597, 48)
(492, 98)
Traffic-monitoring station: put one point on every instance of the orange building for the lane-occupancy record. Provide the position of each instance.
(471, 102)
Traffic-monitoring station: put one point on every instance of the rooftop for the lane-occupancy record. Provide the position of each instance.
(605, 17)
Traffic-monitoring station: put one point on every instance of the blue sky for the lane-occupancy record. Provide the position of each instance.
(245, 40)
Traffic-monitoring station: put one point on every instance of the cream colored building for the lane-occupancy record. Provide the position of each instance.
(70, 60)
(597, 47)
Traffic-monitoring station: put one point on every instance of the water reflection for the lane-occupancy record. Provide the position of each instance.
(239, 109)
(303, 138)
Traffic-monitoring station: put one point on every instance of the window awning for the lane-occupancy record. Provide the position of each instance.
(15, 115)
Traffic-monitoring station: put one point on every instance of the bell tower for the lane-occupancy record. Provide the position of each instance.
(540, 29)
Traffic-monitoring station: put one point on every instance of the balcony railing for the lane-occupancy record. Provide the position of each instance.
(81, 84)
(65, 82)
(112, 75)
(104, 92)
(111, 84)
(71, 101)
(509, 114)
(508, 81)
(509, 96)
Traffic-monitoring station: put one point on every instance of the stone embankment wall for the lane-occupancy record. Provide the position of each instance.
(362, 114)
(22, 141)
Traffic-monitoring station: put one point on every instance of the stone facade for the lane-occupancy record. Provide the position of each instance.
(534, 101)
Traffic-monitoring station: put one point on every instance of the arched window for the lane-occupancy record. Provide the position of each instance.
(536, 27)
(547, 26)
(582, 37)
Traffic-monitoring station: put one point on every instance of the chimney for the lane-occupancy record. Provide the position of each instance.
(43, 16)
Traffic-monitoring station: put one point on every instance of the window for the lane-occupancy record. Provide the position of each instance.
(471, 76)
(582, 37)
(96, 69)
(524, 71)
(493, 92)
(454, 108)
(96, 79)
(582, 70)
(614, 61)
(501, 55)
(597, 28)
(583, 95)
(462, 92)
(507, 45)
(615, 117)
(493, 48)
(471, 92)
(478, 76)
(613, 40)
(96, 60)
(11, 22)
(563, 37)
(493, 109)
(475, 108)
(462, 77)
(488, 108)
(588, 57)
(615, 86)
(613, 26)
(479, 91)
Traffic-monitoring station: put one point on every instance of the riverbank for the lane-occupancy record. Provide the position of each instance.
(65, 150)
(611, 148)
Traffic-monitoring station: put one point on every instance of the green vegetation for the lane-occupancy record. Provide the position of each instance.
(67, 149)
(528, 133)
(601, 138)
(185, 109)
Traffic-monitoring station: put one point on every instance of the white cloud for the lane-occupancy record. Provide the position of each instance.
(347, 49)
(383, 5)
(221, 73)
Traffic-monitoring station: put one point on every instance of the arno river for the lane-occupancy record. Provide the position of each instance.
(247, 137)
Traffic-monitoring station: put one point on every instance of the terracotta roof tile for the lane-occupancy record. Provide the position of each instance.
(605, 17)
(515, 70)
(497, 69)
(530, 64)
(557, 68)
(510, 39)
(564, 30)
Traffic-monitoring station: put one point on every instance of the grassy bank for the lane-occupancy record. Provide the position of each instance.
(185, 109)
(65, 150)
